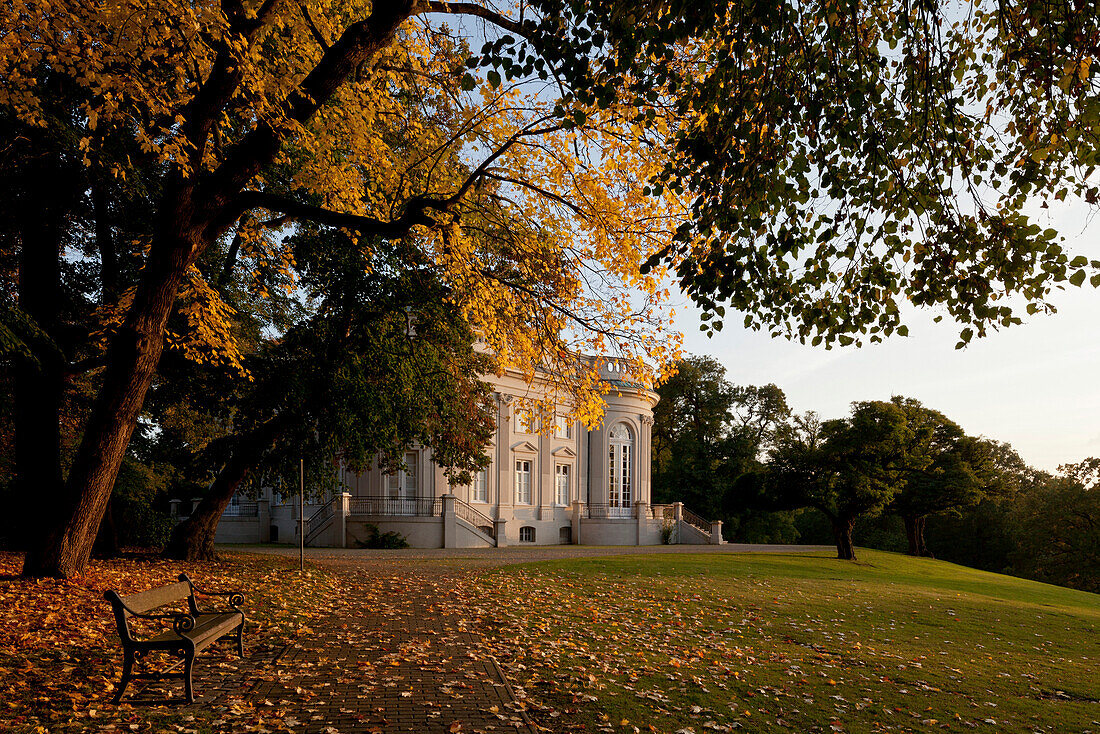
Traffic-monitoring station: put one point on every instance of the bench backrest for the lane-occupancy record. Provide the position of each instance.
(144, 601)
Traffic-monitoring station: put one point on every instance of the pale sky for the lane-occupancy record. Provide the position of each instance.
(1036, 386)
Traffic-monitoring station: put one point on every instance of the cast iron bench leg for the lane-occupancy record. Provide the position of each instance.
(188, 663)
(240, 640)
(127, 668)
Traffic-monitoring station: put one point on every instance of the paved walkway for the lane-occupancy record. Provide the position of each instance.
(395, 655)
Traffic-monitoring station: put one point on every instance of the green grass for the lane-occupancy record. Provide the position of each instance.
(799, 642)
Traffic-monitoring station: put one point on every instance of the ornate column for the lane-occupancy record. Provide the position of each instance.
(504, 456)
(645, 458)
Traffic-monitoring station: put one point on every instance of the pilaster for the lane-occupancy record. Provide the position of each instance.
(263, 517)
(450, 524)
(577, 508)
(341, 510)
(645, 458)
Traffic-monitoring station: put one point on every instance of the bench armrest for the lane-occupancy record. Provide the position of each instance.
(234, 598)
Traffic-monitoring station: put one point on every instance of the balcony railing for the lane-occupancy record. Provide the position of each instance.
(604, 511)
(380, 506)
(242, 509)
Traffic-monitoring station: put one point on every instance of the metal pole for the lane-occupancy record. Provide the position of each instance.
(302, 515)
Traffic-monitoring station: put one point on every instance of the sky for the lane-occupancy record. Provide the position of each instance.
(1036, 385)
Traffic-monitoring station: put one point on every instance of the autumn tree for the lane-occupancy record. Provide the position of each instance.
(382, 360)
(866, 157)
(391, 365)
(1048, 83)
(527, 202)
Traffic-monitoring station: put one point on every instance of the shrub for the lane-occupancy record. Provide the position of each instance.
(668, 529)
(376, 539)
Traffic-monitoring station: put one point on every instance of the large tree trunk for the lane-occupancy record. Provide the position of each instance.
(106, 540)
(911, 535)
(842, 534)
(914, 533)
(39, 384)
(131, 363)
(193, 539)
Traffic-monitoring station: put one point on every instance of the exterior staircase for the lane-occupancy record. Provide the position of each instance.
(320, 521)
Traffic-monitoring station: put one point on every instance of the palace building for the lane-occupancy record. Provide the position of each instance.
(563, 485)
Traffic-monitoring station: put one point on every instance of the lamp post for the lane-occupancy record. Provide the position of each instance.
(302, 515)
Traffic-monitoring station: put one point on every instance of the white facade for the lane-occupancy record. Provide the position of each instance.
(561, 484)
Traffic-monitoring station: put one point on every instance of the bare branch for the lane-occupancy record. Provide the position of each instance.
(415, 214)
(501, 21)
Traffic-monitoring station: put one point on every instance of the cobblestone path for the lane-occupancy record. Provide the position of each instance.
(393, 657)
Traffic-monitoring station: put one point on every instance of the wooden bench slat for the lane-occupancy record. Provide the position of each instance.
(208, 628)
(143, 601)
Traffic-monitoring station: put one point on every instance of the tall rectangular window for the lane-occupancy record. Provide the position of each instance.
(525, 422)
(523, 482)
(563, 427)
(479, 491)
(401, 487)
(402, 483)
(411, 459)
(561, 485)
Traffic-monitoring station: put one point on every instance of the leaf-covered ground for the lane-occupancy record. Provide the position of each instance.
(802, 643)
(60, 656)
(685, 642)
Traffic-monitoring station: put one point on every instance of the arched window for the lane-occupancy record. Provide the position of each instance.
(620, 463)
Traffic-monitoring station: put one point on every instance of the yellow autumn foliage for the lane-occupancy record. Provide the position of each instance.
(545, 224)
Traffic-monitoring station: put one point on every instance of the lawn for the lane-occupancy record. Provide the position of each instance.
(768, 643)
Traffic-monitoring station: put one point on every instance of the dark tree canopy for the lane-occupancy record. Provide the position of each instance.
(846, 468)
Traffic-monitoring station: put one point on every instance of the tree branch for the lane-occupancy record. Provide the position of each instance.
(317, 35)
(358, 43)
(441, 6)
(415, 214)
(416, 208)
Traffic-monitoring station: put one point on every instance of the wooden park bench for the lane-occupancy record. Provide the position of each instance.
(192, 631)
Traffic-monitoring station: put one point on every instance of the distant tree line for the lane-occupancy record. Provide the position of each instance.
(892, 474)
